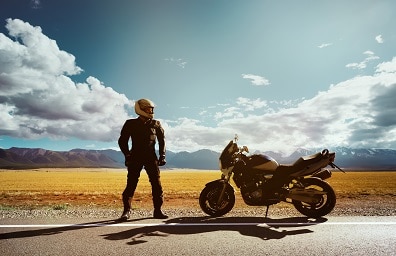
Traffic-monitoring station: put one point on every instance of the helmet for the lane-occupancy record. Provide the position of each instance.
(142, 106)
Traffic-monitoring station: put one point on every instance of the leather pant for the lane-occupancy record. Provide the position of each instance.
(134, 169)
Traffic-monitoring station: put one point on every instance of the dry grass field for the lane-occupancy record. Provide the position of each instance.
(62, 188)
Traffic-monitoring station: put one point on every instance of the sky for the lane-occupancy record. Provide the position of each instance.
(281, 74)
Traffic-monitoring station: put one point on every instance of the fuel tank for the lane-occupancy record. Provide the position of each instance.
(263, 163)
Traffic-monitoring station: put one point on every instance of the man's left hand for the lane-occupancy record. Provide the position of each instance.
(162, 161)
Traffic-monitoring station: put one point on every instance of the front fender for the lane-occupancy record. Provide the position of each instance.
(219, 182)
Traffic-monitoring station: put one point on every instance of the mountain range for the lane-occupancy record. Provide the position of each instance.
(23, 158)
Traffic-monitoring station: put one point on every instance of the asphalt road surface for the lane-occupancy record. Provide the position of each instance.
(200, 236)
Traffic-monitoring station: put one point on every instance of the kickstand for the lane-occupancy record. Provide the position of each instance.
(266, 212)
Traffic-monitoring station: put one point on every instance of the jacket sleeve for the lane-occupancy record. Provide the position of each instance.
(161, 139)
(124, 139)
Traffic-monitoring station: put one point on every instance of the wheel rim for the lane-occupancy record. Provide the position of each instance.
(321, 200)
(212, 198)
(323, 204)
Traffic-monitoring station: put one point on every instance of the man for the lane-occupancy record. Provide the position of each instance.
(143, 132)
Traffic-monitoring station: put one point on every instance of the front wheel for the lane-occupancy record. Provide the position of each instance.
(209, 199)
(324, 204)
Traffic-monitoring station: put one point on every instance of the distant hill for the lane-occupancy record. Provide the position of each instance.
(22, 158)
(16, 158)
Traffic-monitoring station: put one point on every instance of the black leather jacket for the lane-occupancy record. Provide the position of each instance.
(143, 135)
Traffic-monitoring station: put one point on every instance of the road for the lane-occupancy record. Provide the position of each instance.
(200, 236)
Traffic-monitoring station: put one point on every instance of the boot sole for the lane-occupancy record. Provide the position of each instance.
(124, 218)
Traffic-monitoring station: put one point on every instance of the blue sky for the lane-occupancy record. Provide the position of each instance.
(280, 74)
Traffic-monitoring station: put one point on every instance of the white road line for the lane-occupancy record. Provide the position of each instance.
(286, 224)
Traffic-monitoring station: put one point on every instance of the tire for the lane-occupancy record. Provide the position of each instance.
(209, 197)
(325, 204)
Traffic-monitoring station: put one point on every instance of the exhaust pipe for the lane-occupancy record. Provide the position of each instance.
(307, 196)
(322, 174)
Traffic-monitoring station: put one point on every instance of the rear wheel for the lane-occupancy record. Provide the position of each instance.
(324, 203)
(209, 199)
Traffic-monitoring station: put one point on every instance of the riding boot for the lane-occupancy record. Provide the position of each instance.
(127, 208)
(158, 214)
(157, 202)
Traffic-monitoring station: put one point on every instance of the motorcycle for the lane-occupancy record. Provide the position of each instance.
(264, 182)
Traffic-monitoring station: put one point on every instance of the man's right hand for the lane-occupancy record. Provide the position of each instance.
(127, 160)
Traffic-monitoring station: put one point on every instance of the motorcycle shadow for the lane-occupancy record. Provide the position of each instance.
(258, 227)
(250, 220)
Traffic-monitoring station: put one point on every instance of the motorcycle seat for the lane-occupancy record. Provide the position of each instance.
(303, 164)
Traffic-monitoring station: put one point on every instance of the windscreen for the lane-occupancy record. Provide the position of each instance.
(226, 155)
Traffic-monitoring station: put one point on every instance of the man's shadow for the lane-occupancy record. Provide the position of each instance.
(263, 228)
(58, 230)
(259, 227)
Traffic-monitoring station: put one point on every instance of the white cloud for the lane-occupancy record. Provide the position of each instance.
(189, 135)
(324, 45)
(256, 80)
(250, 104)
(179, 62)
(387, 67)
(39, 99)
(35, 4)
(358, 112)
(231, 112)
(242, 106)
(379, 39)
(363, 64)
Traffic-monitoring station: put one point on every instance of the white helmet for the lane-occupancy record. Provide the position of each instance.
(142, 107)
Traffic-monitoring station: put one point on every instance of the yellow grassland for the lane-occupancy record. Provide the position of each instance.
(103, 187)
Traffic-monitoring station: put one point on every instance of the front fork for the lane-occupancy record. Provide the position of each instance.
(222, 193)
(225, 179)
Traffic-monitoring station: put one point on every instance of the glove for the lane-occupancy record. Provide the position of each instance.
(127, 160)
(161, 161)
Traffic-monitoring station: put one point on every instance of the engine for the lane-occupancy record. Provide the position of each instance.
(252, 189)
(251, 175)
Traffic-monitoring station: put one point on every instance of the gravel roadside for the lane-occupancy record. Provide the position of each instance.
(343, 208)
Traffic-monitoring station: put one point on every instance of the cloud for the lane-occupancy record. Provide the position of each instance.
(324, 45)
(256, 80)
(186, 134)
(250, 104)
(179, 62)
(39, 99)
(363, 64)
(231, 112)
(379, 39)
(242, 106)
(358, 112)
(35, 4)
(387, 67)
